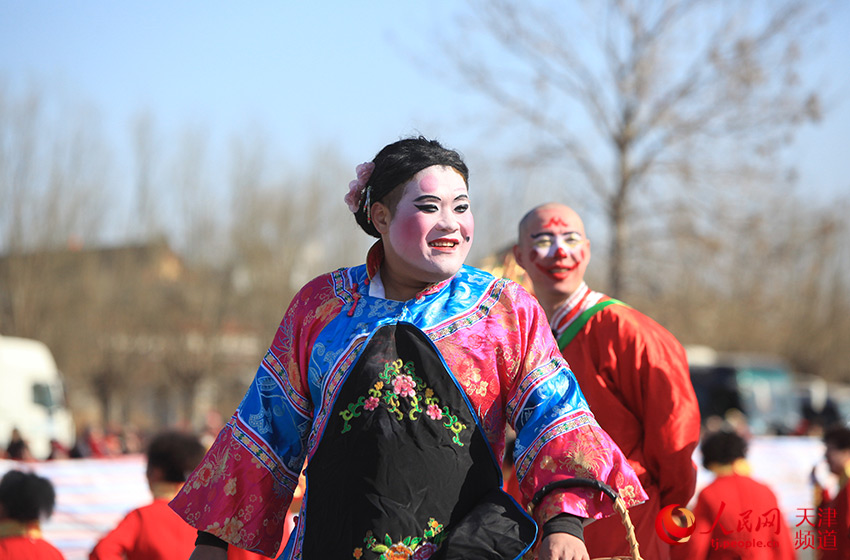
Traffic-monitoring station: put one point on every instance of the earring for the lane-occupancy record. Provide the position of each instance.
(369, 204)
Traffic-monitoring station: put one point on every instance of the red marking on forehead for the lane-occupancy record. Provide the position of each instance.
(555, 221)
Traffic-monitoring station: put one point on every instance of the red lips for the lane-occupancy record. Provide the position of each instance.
(558, 271)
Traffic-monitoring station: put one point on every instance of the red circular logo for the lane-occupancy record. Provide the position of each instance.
(675, 524)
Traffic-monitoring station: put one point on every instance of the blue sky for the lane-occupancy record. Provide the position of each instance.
(306, 72)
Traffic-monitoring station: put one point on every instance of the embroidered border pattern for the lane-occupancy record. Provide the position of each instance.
(475, 314)
(577, 420)
(414, 548)
(529, 383)
(331, 387)
(277, 371)
(407, 388)
(340, 289)
(281, 475)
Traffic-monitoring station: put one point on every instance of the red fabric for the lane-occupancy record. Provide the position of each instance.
(634, 375)
(737, 517)
(834, 534)
(151, 532)
(501, 350)
(155, 532)
(511, 486)
(27, 548)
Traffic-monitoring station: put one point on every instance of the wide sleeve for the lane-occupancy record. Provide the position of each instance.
(648, 353)
(242, 488)
(116, 544)
(557, 435)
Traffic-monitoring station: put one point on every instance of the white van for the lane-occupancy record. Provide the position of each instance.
(32, 396)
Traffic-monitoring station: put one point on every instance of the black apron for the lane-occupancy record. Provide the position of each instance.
(403, 469)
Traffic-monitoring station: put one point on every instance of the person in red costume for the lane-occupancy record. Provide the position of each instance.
(25, 499)
(834, 513)
(735, 516)
(632, 371)
(154, 531)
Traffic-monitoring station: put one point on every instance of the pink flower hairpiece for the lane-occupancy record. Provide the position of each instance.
(358, 185)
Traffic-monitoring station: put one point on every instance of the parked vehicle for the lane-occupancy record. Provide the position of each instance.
(32, 397)
(759, 386)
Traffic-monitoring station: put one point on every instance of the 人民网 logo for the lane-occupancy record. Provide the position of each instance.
(675, 524)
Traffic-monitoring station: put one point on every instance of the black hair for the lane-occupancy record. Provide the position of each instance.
(838, 437)
(722, 447)
(397, 163)
(175, 454)
(26, 497)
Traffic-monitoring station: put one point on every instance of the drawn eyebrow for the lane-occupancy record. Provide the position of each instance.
(430, 197)
(542, 234)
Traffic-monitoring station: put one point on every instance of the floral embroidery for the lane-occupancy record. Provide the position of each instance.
(548, 464)
(584, 459)
(409, 548)
(628, 493)
(406, 385)
(230, 531)
(371, 403)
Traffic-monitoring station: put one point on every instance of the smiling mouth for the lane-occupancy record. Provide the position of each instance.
(559, 272)
(443, 244)
(563, 269)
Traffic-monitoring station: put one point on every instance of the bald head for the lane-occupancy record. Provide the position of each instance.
(554, 210)
(554, 251)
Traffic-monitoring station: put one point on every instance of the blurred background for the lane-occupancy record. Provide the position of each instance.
(171, 173)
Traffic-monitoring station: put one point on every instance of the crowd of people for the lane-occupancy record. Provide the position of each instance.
(397, 383)
(92, 442)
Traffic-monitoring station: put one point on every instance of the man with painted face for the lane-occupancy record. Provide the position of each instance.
(396, 380)
(632, 371)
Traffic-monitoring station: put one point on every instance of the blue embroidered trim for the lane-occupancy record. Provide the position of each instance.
(529, 384)
(472, 315)
(574, 421)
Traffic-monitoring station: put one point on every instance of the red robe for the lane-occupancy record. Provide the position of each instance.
(24, 542)
(151, 532)
(635, 377)
(737, 517)
(834, 526)
(155, 532)
(24, 548)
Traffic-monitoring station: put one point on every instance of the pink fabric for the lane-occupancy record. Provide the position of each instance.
(498, 350)
(523, 342)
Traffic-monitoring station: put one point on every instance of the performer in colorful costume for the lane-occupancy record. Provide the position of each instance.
(632, 371)
(395, 379)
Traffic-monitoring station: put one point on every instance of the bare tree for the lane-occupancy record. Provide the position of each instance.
(646, 102)
(145, 215)
(53, 175)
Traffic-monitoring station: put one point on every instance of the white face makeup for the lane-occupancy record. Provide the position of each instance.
(554, 251)
(557, 245)
(431, 231)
